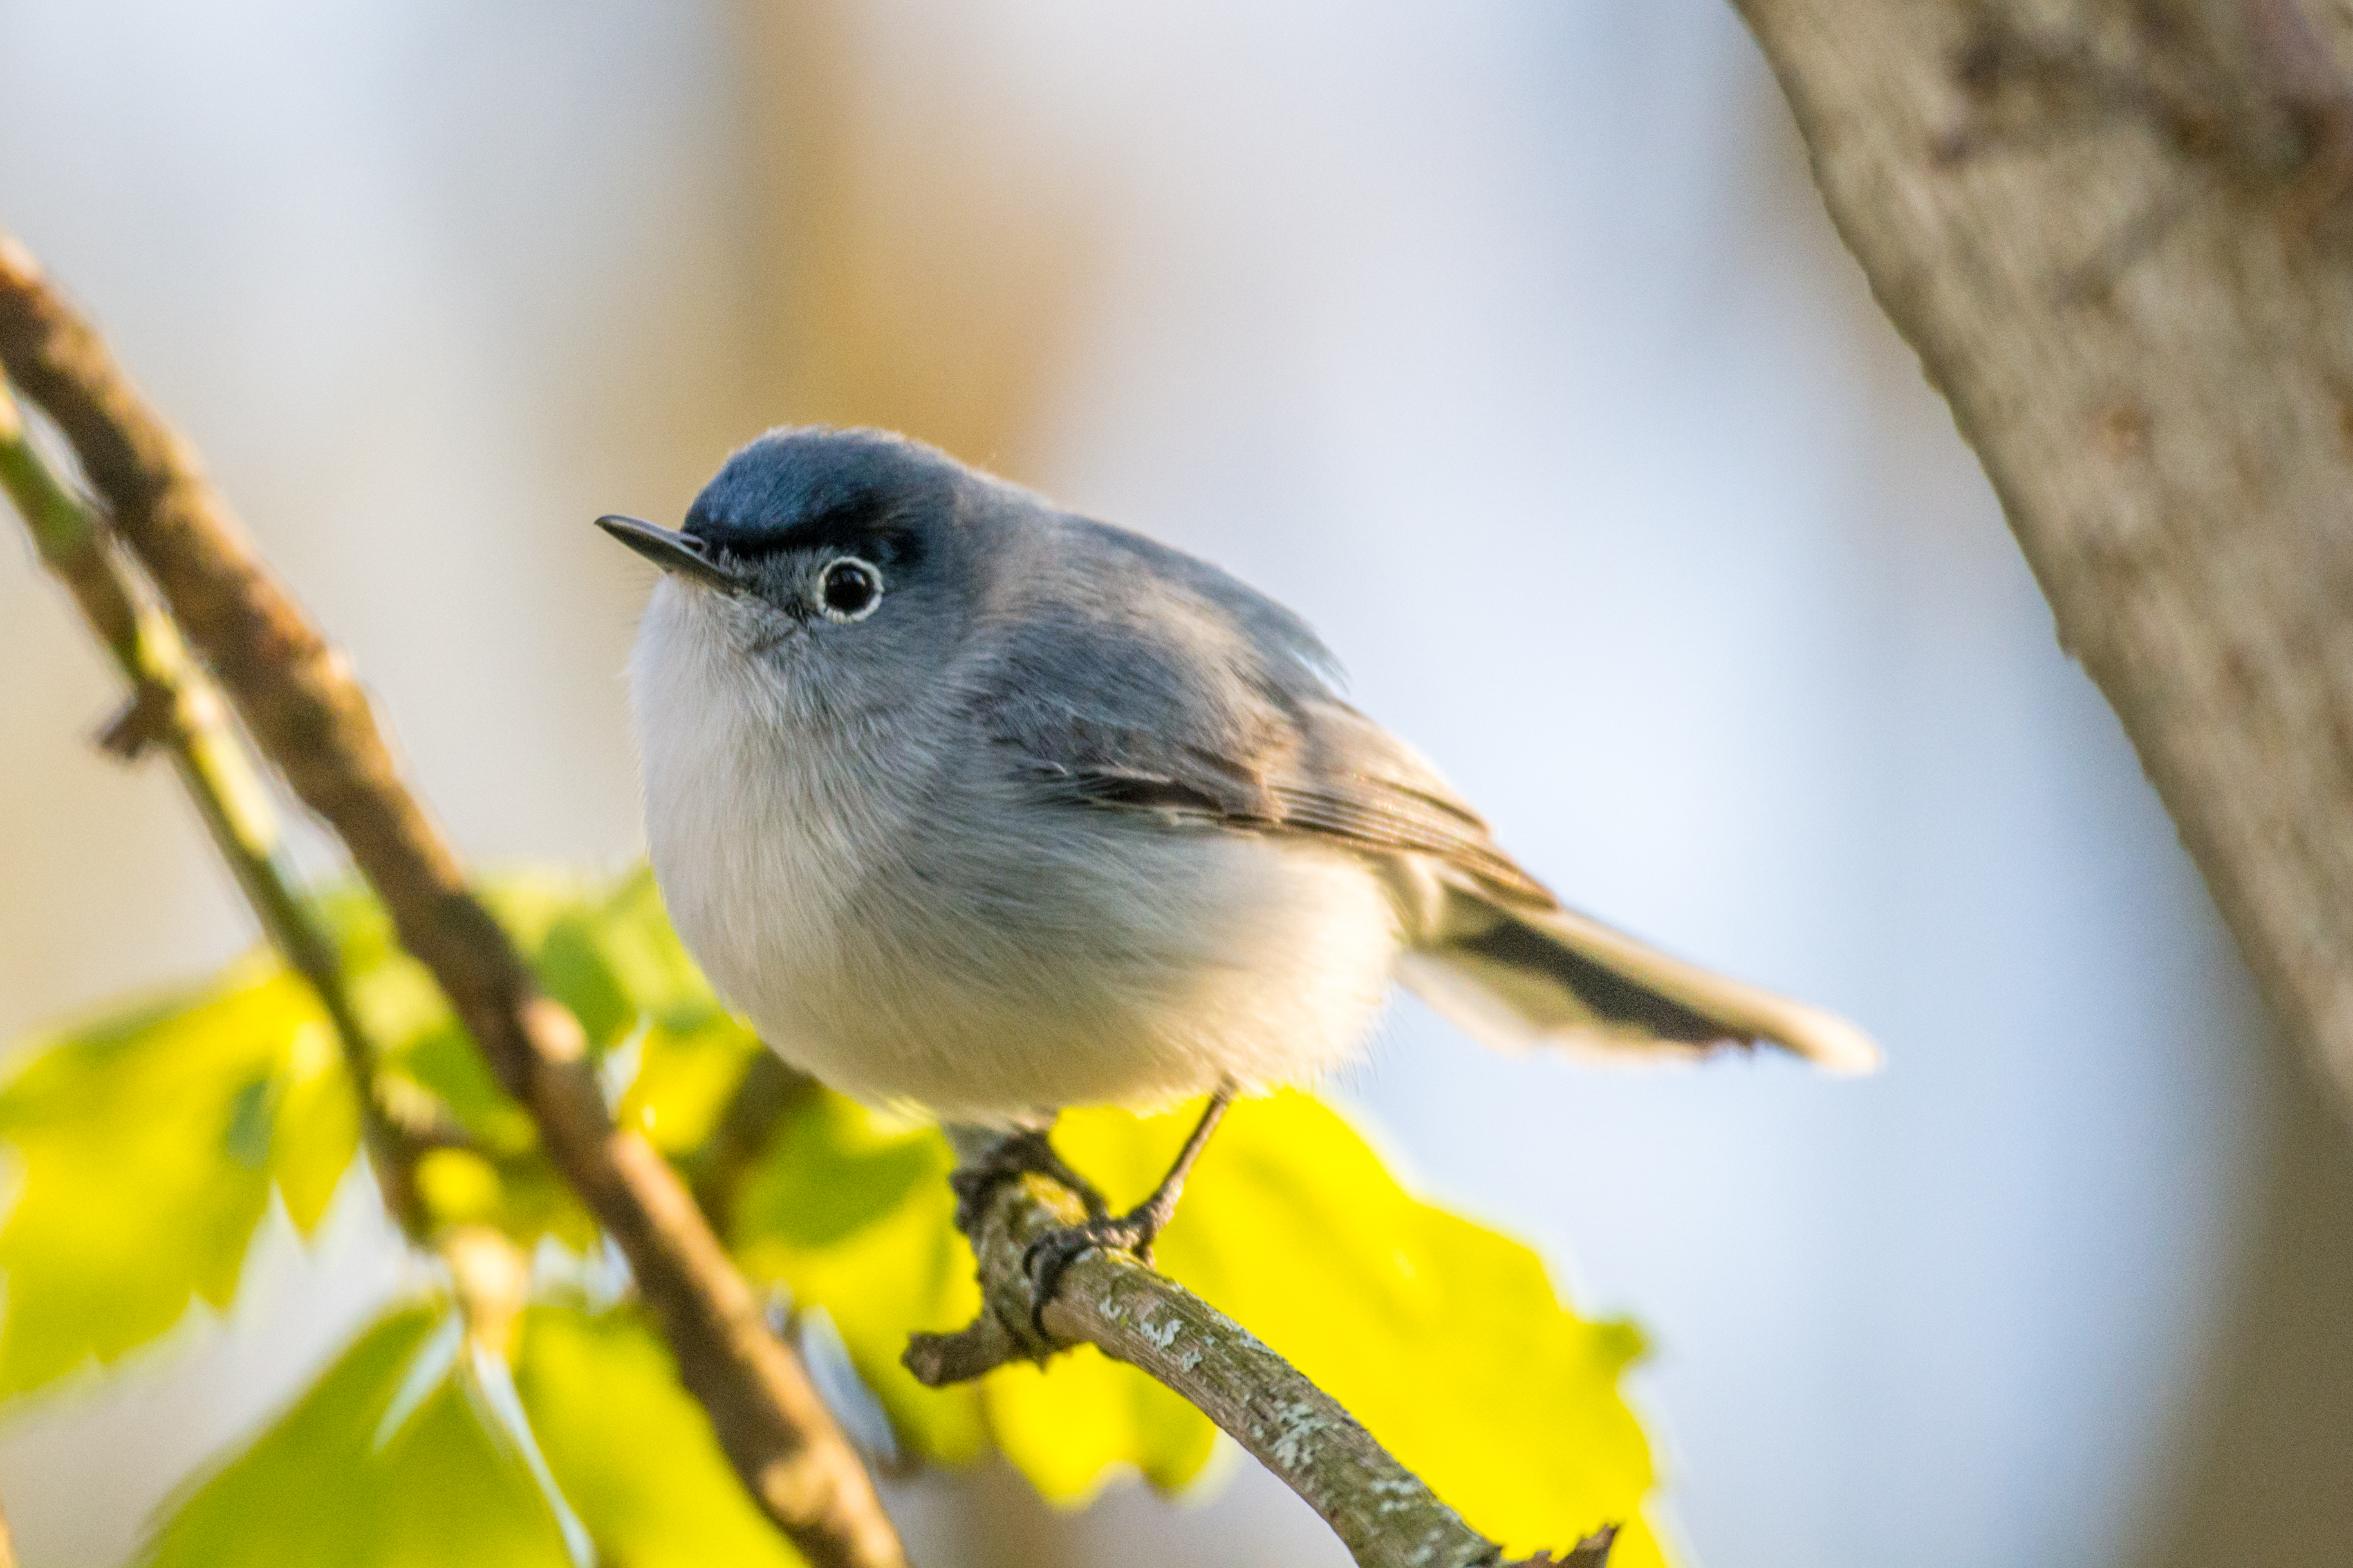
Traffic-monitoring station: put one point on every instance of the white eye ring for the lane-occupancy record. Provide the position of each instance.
(848, 587)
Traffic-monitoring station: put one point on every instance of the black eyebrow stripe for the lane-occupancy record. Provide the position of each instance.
(863, 526)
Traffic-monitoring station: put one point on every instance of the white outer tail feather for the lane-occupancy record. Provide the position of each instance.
(1487, 972)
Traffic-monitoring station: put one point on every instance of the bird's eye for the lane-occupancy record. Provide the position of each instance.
(849, 589)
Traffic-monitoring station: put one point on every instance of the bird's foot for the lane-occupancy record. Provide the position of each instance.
(1011, 1158)
(1133, 1232)
(1045, 1258)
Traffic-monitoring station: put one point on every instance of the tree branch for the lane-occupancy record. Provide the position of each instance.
(2173, 449)
(301, 704)
(1379, 1509)
(173, 703)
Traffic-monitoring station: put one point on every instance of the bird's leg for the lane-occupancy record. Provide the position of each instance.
(1151, 1217)
(986, 1159)
(1134, 1231)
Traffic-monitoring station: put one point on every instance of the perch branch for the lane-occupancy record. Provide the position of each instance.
(172, 703)
(1382, 1512)
(302, 702)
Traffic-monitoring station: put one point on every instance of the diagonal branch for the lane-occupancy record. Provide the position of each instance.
(302, 702)
(1382, 1512)
(173, 704)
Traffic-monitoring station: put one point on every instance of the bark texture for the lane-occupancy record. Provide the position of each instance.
(2119, 237)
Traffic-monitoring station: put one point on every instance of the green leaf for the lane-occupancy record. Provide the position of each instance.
(316, 1128)
(1081, 1420)
(607, 953)
(397, 1457)
(142, 1151)
(691, 1053)
(420, 1039)
(1448, 1340)
(632, 1452)
(851, 1209)
(138, 1153)
(343, 1480)
(649, 963)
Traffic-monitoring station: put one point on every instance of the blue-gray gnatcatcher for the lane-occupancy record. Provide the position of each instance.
(970, 804)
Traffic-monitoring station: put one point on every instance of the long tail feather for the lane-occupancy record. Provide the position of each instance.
(1519, 977)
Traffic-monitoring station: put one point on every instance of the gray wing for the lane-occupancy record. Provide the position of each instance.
(1156, 683)
(1151, 682)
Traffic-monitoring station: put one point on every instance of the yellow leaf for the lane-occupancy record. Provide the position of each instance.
(142, 1151)
(367, 1469)
(631, 1451)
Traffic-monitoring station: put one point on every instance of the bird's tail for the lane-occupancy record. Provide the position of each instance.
(1517, 975)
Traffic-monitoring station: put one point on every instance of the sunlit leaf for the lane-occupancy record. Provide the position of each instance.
(647, 960)
(459, 1187)
(405, 1454)
(334, 1484)
(1081, 1420)
(632, 1452)
(607, 953)
(691, 1053)
(548, 913)
(414, 1034)
(1450, 1341)
(140, 1151)
(316, 1128)
(852, 1210)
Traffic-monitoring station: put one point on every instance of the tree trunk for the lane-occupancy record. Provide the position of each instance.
(2120, 238)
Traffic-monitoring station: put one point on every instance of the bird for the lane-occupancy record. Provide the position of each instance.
(979, 807)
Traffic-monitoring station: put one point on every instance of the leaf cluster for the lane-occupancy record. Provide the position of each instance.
(144, 1151)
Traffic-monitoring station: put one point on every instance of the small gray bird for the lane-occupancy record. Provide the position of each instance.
(972, 804)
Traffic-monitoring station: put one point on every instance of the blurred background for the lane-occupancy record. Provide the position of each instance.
(1356, 301)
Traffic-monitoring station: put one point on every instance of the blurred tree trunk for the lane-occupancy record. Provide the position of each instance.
(916, 268)
(2120, 238)
(2256, 1473)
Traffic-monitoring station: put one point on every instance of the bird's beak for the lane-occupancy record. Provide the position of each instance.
(680, 552)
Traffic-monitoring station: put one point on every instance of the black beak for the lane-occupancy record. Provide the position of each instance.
(680, 552)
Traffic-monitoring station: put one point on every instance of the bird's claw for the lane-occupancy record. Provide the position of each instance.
(1011, 1158)
(1046, 1258)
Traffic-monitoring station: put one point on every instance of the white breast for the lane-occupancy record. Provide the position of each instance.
(901, 921)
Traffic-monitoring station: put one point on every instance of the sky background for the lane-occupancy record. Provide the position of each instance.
(1504, 340)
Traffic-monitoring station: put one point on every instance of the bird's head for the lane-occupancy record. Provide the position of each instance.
(836, 570)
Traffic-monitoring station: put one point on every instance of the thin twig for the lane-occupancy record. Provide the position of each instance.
(1382, 1512)
(174, 705)
(301, 702)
